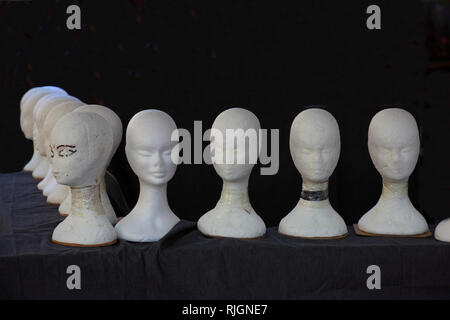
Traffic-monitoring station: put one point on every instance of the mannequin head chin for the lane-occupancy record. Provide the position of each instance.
(233, 172)
(149, 146)
(235, 144)
(394, 144)
(80, 145)
(315, 144)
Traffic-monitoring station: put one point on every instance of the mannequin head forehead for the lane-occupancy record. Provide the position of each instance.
(315, 128)
(80, 146)
(235, 136)
(28, 104)
(111, 117)
(393, 128)
(394, 143)
(149, 146)
(52, 118)
(44, 106)
(315, 144)
(236, 118)
(150, 129)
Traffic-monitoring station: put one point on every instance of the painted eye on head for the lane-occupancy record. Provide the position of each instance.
(65, 150)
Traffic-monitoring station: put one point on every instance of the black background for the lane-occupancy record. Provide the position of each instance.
(194, 59)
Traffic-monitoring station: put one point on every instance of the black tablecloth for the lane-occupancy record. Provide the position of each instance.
(187, 265)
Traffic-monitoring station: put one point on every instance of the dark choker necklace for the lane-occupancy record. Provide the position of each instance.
(314, 195)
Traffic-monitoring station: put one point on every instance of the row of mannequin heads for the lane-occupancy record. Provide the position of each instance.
(75, 142)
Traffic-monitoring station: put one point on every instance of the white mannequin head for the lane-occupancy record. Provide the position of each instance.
(41, 110)
(81, 143)
(315, 144)
(394, 144)
(148, 146)
(52, 118)
(112, 118)
(27, 104)
(234, 118)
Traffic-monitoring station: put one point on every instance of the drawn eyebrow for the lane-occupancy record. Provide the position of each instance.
(65, 146)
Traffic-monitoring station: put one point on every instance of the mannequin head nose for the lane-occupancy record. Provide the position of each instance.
(395, 155)
(156, 160)
(316, 157)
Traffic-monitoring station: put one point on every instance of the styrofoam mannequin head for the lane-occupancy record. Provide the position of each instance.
(394, 144)
(112, 118)
(234, 118)
(52, 118)
(81, 143)
(41, 110)
(27, 105)
(148, 146)
(315, 144)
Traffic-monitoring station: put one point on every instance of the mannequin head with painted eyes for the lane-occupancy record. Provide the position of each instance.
(394, 144)
(149, 146)
(41, 110)
(235, 143)
(315, 144)
(80, 143)
(52, 118)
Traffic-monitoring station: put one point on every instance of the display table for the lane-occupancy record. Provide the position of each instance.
(187, 265)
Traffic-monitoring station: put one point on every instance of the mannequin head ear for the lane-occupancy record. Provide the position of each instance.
(394, 144)
(81, 143)
(149, 146)
(235, 143)
(315, 144)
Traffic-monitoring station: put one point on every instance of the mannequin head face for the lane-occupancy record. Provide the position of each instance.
(52, 118)
(80, 146)
(112, 118)
(315, 144)
(239, 150)
(27, 105)
(43, 107)
(149, 146)
(394, 144)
